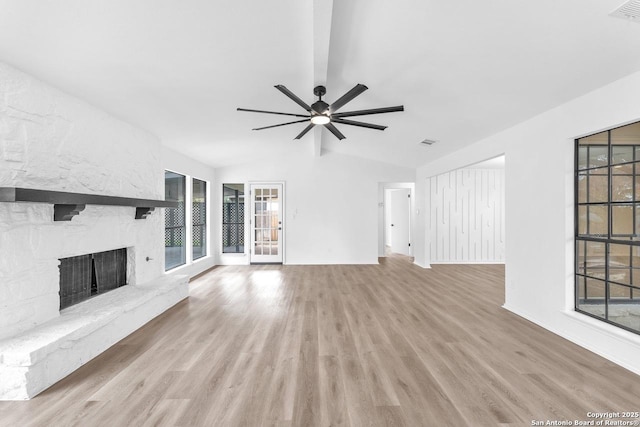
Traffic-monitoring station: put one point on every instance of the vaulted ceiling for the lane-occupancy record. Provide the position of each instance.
(463, 69)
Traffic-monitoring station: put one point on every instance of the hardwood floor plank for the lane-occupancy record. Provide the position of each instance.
(333, 411)
(306, 410)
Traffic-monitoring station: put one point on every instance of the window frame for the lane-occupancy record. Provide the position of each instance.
(183, 226)
(585, 274)
(241, 226)
(204, 225)
(189, 223)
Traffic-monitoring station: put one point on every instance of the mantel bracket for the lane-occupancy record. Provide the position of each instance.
(66, 212)
(143, 213)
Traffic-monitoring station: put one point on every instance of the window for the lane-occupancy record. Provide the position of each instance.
(199, 219)
(608, 226)
(233, 218)
(174, 221)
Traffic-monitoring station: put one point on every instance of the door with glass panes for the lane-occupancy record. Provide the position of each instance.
(267, 230)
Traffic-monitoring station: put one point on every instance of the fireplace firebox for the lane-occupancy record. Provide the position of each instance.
(85, 276)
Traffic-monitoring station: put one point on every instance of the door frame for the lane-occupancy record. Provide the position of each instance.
(283, 232)
(408, 201)
(382, 201)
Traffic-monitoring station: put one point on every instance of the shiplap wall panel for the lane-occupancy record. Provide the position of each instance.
(466, 221)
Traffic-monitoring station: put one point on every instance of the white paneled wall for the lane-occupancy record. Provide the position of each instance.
(466, 216)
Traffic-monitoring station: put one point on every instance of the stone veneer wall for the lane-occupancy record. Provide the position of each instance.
(50, 140)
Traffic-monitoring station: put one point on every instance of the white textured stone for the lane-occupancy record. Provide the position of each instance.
(52, 141)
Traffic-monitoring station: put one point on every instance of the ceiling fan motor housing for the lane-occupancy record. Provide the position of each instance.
(320, 107)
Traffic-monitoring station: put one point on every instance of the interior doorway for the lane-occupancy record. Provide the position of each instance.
(267, 223)
(396, 219)
(399, 221)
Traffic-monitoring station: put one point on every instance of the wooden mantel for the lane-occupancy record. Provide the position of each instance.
(67, 205)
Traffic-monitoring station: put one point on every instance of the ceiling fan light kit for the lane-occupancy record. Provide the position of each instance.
(323, 114)
(320, 119)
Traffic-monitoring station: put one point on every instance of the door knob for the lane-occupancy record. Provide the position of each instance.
(392, 225)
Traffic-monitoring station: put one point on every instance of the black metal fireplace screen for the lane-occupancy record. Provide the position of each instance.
(84, 276)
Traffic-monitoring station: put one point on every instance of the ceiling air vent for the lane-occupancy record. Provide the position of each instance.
(629, 10)
(428, 141)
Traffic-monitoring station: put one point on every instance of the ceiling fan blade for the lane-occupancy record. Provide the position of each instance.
(271, 112)
(340, 102)
(369, 111)
(293, 97)
(307, 129)
(334, 131)
(281, 124)
(361, 124)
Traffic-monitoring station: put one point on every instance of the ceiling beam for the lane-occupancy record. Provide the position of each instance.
(322, 13)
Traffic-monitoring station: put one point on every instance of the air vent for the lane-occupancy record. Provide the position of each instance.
(428, 141)
(629, 10)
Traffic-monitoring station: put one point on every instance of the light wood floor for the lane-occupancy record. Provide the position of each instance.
(380, 345)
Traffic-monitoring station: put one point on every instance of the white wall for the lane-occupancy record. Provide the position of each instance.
(539, 213)
(466, 216)
(333, 204)
(184, 165)
(52, 141)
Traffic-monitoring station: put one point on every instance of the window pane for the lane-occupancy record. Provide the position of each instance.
(622, 220)
(624, 306)
(199, 219)
(601, 138)
(619, 293)
(580, 256)
(582, 220)
(626, 135)
(591, 293)
(595, 259)
(233, 218)
(626, 169)
(598, 221)
(598, 156)
(620, 263)
(583, 157)
(598, 186)
(621, 154)
(621, 188)
(174, 221)
(582, 188)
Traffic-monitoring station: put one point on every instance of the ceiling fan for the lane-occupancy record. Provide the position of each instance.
(321, 113)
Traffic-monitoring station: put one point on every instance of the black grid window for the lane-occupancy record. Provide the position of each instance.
(233, 218)
(199, 219)
(607, 226)
(175, 231)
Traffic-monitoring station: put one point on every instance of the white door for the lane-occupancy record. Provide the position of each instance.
(267, 228)
(400, 221)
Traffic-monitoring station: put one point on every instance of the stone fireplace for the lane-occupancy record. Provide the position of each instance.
(52, 141)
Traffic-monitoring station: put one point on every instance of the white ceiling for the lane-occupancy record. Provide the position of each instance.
(463, 69)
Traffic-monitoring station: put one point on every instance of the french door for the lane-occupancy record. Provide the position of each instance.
(267, 230)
